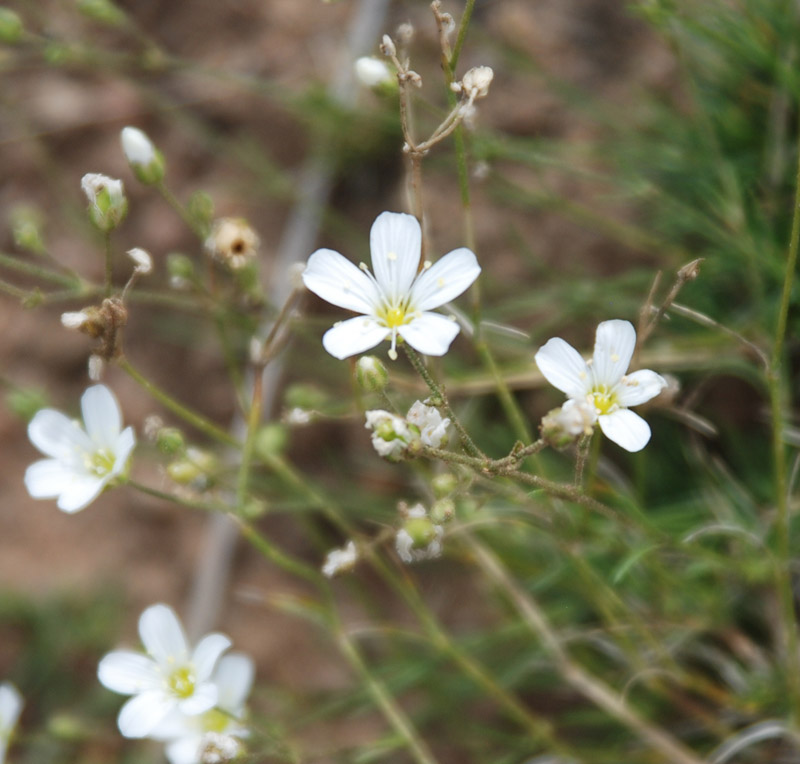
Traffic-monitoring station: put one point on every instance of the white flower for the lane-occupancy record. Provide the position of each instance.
(107, 202)
(603, 381)
(432, 427)
(169, 677)
(137, 146)
(475, 82)
(372, 72)
(83, 461)
(419, 538)
(10, 709)
(74, 319)
(391, 435)
(397, 300)
(201, 737)
(340, 560)
(142, 260)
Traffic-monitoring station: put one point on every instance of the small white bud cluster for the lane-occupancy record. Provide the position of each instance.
(395, 438)
(340, 560)
(107, 203)
(432, 426)
(374, 73)
(419, 538)
(298, 417)
(388, 48)
(218, 748)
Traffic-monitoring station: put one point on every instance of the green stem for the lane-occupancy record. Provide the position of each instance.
(173, 498)
(507, 401)
(462, 34)
(777, 396)
(108, 285)
(192, 417)
(419, 366)
(45, 274)
(253, 421)
(184, 215)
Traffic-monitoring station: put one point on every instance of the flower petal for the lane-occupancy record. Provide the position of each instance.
(613, 347)
(234, 679)
(10, 706)
(639, 387)
(207, 653)
(123, 446)
(185, 750)
(47, 478)
(395, 241)
(202, 699)
(101, 416)
(128, 673)
(562, 366)
(626, 429)
(430, 334)
(140, 715)
(81, 491)
(445, 280)
(335, 279)
(353, 336)
(162, 635)
(56, 435)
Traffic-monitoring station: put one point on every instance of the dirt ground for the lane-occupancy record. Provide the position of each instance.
(59, 122)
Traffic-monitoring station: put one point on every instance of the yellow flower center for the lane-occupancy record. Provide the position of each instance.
(605, 401)
(181, 682)
(100, 462)
(393, 317)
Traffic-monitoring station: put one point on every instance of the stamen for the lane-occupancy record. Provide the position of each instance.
(391, 256)
(427, 264)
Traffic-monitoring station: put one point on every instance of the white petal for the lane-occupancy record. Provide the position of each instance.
(202, 699)
(47, 478)
(175, 725)
(430, 334)
(56, 435)
(234, 679)
(334, 278)
(185, 750)
(10, 706)
(207, 653)
(562, 366)
(140, 715)
(162, 635)
(101, 415)
(626, 429)
(122, 450)
(395, 242)
(445, 280)
(80, 493)
(613, 347)
(128, 673)
(639, 387)
(353, 336)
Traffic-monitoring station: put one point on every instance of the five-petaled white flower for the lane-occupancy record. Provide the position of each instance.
(83, 461)
(10, 709)
(603, 382)
(217, 729)
(169, 677)
(398, 299)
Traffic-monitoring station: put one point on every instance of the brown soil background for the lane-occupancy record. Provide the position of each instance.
(57, 123)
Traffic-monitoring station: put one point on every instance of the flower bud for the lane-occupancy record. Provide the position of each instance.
(388, 47)
(419, 538)
(340, 561)
(26, 228)
(254, 508)
(476, 81)
(391, 435)
(107, 203)
(11, 27)
(142, 259)
(180, 269)
(443, 510)
(271, 440)
(103, 11)
(444, 484)
(232, 241)
(374, 73)
(145, 159)
(305, 396)
(194, 469)
(201, 209)
(432, 427)
(75, 319)
(170, 440)
(564, 425)
(371, 374)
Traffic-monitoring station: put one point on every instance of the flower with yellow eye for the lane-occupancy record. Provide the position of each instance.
(603, 381)
(397, 301)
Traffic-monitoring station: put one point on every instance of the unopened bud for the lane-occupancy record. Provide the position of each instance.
(201, 209)
(340, 561)
(170, 440)
(26, 228)
(442, 511)
(419, 538)
(74, 319)
(107, 203)
(429, 423)
(11, 27)
(405, 33)
(374, 73)
(232, 241)
(388, 47)
(306, 396)
(444, 484)
(271, 440)
(476, 81)
(103, 11)
(144, 263)
(145, 159)
(194, 469)
(371, 374)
